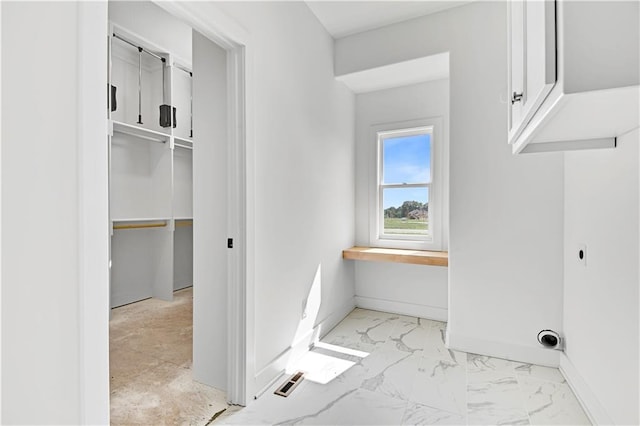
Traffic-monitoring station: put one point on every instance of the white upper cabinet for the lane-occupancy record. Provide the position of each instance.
(533, 58)
(574, 73)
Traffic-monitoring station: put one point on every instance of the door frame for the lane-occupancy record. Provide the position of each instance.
(209, 20)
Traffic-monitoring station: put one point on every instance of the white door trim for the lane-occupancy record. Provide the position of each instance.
(93, 213)
(0, 218)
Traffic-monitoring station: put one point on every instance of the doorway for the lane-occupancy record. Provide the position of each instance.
(95, 333)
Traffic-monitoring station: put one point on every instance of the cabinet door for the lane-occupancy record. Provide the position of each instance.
(533, 59)
(516, 60)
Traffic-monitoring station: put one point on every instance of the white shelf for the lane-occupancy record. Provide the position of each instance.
(183, 218)
(186, 143)
(141, 219)
(139, 132)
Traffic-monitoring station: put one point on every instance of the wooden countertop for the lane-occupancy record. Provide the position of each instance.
(416, 257)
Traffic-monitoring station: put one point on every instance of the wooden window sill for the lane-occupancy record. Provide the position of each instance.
(416, 257)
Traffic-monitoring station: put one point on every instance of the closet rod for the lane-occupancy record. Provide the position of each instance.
(185, 223)
(140, 226)
(138, 47)
(182, 146)
(181, 68)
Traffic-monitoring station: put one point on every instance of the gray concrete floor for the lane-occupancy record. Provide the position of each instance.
(150, 357)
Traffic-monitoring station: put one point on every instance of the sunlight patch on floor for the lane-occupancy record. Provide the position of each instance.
(320, 368)
(341, 349)
(324, 362)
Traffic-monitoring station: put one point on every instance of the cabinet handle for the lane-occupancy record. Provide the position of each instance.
(517, 97)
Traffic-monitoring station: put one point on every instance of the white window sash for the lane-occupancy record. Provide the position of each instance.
(392, 134)
(433, 240)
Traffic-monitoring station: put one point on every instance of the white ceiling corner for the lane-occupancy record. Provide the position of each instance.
(343, 18)
(428, 68)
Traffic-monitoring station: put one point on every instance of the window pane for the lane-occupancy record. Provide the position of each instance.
(407, 159)
(406, 211)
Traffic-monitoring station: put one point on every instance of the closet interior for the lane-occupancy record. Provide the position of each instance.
(151, 168)
(167, 110)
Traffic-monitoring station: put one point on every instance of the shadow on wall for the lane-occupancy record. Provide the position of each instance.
(321, 362)
(304, 336)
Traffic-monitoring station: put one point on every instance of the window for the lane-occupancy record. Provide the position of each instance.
(407, 210)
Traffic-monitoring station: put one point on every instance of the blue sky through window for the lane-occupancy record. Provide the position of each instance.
(406, 159)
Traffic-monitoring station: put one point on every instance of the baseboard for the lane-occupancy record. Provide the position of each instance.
(590, 403)
(505, 350)
(402, 308)
(335, 317)
(274, 369)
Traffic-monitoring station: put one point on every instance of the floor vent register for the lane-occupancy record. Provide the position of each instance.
(291, 383)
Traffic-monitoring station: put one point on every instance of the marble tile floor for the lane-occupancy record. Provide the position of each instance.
(379, 368)
(150, 354)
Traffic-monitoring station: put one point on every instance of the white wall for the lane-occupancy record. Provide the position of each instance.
(417, 290)
(304, 174)
(405, 289)
(166, 31)
(505, 246)
(601, 299)
(47, 236)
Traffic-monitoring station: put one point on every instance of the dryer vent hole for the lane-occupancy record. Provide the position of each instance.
(549, 341)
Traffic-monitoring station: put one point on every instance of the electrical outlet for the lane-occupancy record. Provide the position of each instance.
(581, 254)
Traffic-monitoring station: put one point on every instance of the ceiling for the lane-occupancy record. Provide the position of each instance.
(343, 18)
(428, 68)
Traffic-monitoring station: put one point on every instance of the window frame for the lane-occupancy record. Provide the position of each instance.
(379, 133)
